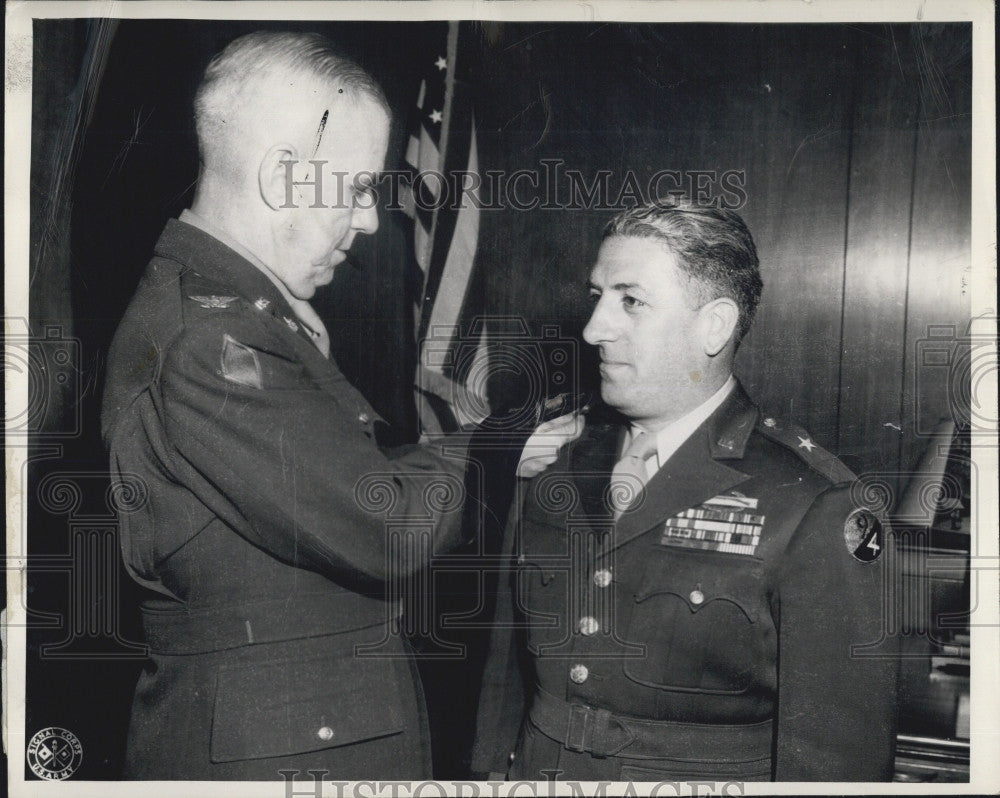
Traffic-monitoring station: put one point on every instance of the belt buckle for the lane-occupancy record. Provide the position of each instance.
(577, 728)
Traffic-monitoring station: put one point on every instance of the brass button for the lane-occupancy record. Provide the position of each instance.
(325, 733)
(588, 625)
(364, 418)
(602, 578)
(769, 422)
(697, 597)
(578, 674)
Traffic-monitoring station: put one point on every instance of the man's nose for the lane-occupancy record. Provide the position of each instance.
(600, 328)
(365, 217)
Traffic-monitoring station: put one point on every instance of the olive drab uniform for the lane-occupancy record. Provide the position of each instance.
(727, 627)
(260, 537)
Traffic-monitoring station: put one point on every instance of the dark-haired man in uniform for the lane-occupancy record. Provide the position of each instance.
(695, 579)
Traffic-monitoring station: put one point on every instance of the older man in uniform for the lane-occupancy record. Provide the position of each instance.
(693, 577)
(260, 530)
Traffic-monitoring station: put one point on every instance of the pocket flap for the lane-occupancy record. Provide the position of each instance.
(697, 600)
(293, 706)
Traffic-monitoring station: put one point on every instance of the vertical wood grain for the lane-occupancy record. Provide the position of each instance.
(878, 242)
(938, 296)
(797, 213)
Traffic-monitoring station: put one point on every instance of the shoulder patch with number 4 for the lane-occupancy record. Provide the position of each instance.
(863, 535)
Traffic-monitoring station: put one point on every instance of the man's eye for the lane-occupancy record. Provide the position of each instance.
(364, 196)
(631, 303)
(594, 297)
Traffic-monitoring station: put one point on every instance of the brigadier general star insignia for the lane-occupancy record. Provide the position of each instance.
(214, 301)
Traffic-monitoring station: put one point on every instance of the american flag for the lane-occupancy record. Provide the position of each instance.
(451, 369)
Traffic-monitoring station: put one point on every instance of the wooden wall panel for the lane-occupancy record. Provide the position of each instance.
(797, 214)
(938, 290)
(877, 249)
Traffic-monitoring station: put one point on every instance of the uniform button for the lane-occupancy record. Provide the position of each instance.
(602, 578)
(578, 674)
(769, 422)
(363, 418)
(588, 625)
(697, 597)
(325, 733)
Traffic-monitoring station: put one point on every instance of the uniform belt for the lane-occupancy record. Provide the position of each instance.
(198, 631)
(599, 732)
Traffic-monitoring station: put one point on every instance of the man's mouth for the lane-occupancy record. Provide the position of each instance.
(611, 366)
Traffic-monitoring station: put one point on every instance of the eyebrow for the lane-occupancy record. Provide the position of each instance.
(617, 287)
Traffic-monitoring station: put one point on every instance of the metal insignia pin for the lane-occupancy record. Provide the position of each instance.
(214, 301)
(261, 304)
(291, 324)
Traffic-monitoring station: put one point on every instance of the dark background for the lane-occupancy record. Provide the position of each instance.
(855, 141)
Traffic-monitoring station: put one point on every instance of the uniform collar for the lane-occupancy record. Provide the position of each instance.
(205, 254)
(729, 427)
(303, 311)
(670, 438)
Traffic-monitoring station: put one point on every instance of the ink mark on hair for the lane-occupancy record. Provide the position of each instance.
(319, 132)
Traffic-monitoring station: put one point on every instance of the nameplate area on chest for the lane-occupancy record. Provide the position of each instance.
(726, 524)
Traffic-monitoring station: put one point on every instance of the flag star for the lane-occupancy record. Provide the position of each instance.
(806, 443)
(441, 63)
(436, 116)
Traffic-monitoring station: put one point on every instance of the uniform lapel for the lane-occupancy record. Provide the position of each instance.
(696, 472)
(591, 460)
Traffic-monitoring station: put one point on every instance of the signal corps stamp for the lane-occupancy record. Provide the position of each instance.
(54, 754)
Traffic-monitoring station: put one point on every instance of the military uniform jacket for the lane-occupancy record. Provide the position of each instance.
(266, 526)
(727, 627)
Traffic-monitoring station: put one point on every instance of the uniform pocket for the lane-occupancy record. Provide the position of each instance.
(292, 706)
(697, 619)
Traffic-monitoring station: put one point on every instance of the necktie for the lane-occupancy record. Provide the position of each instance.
(629, 474)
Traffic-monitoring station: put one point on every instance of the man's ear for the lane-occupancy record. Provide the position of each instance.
(276, 174)
(718, 320)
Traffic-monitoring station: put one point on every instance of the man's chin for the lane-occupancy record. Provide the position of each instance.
(611, 395)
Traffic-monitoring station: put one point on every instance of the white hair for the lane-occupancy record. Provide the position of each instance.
(263, 65)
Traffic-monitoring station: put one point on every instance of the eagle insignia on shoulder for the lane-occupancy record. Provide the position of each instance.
(217, 302)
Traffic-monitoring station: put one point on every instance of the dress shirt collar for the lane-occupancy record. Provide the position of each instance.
(670, 438)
